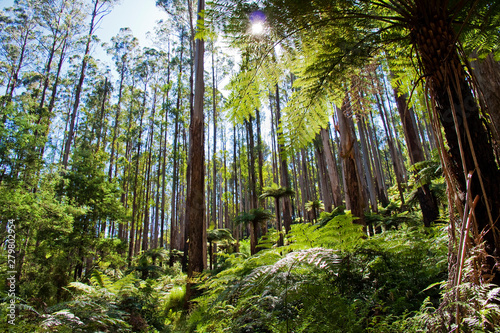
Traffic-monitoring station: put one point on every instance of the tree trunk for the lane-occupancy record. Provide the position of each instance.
(174, 231)
(254, 227)
(332, 167)
(102, 114)
(323, 174)
(116, 127)
(145, 235)
(355, 198)
(428, 203)
(455, 106)
(214, 154)
(304, 184)
(284, 178)
(379, 173)
(134, 204)
(15, 74)
(487, 74)
(260, 160)
(392, 149)
(278, 221)
(366, 164)
(196, 190)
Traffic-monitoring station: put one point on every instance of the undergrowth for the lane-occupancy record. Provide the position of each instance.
(328, 277)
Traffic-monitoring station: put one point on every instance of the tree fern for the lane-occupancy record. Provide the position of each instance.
(339, 233)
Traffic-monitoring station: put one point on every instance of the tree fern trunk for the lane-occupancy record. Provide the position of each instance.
(469, 147)
(487, 74)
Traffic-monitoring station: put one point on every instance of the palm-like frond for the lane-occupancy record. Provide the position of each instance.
(217, 235)
(274, 191)
(315, 204)
(256, 215)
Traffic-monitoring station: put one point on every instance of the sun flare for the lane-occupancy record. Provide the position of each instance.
(257, 28)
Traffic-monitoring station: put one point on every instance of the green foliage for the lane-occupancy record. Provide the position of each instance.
(325, 217)
(218, 235)
(315, 204)
(277, 192)
(105, 304)
(94, 308)
(255, 215)
(245, 96)
(146, 264)
(330, 268)
(339, 232)
(427, 173)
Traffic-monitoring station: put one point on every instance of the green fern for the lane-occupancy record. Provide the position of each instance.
(338, 232)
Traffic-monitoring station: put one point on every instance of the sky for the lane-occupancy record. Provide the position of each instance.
(139, 15)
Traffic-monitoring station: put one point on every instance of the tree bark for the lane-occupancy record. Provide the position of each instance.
(145, 235)
(332, 167)
(196, 191)
(134, 204)
(456, 109)
(355, 198)
(284, 178)
(487, 74)
(366, 164)
(323, 174)
(428, 203)
(254, 227)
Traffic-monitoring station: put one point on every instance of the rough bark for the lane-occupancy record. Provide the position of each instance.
(284, 178)
(196, 192)
(469, 147)
(355, 199)
(428, 203)
(332, 167)
(487, 75)
(323, 174)
(366, 164)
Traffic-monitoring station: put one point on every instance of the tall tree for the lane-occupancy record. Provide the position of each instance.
(17, 35)
(122, 46)
(428, 203)
(355, 195)
(100, 8)
(196, 191)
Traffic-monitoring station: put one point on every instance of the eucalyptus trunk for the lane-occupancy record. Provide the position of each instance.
(427, 200)
(284, 178)
(196, 191)
(355, 198)
(332, 167)
(134, 204)
(323, 174)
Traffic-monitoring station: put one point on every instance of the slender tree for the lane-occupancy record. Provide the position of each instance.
(196, 187)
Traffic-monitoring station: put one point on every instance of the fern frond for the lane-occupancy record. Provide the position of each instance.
(85, 288)
(100, 279)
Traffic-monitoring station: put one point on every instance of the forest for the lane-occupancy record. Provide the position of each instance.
(265, 166)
